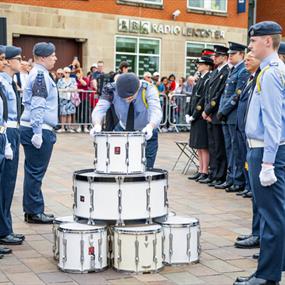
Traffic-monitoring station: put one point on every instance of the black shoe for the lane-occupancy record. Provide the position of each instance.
(202, 176)
(215, 182)
(1, 256)
(5, 250)
(194, 176)
(234, 188)
(252, 242)
(256, 281)
(224, 185)
(10, 240)
(38, 219)
(243, 278)
(255, 256)
(19, 236)
(205, 180)
(247, 195)
(243, 192)
(243, 237)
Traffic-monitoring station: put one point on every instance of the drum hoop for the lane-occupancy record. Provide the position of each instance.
(120, 134)
(189, 225)
(125, 231)
(99, 230)
(56, 222)
(161, 174)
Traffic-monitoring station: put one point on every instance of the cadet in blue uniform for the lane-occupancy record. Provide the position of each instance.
(13, 64)
(252, 66)
(265, 131)
(3, 143)
(228, 114)
(281, 51)
(137, 107)
(40, 99)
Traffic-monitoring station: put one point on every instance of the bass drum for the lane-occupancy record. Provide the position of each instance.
(82, 248)
(181, 239)
(126, 197)
(137, 248)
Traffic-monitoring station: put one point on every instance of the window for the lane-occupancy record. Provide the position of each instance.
(143, 54)
(209, 5)
(151, 2)
(193, 51)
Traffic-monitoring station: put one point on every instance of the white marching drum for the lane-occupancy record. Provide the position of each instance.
(181, 239)
(137, 248)
(119, 152)
(125, 197)
(82, 248)
(56, 223)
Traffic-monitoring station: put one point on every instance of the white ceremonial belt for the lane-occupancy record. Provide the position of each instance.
(256, 143)
(12, 124)
(2, 129)
(44, 126)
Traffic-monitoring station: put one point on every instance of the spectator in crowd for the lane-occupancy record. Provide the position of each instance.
(189, 85)
(281, 51)
(74, 67)
(66, 86)
(163, 87)
(83, 114)
(93, 68)
(124, 67)
(58, 74)
(155, 78)
(172, 82)
(99, 78)
(21, 77)
(147, 77)
(181, 86)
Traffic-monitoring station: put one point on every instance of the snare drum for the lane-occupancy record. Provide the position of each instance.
(82, 248)
(137, 248)
(181, 239)
(119, 152)
(126, 197)
(56, 223)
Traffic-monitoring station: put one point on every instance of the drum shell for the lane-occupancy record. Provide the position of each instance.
(137, 251)
(76, 247)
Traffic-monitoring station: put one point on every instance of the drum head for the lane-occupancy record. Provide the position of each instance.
(66, 219)
(119, 134)
(75, 227)
(138, 229)
(178, 221)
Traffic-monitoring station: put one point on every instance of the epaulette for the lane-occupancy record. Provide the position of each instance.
(39, 87)
(274, 63)
(145, 84)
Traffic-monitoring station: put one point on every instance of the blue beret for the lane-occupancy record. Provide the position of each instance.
(127, 85)
(221, 50)
(2, 49)
(264, 28)
(234, 47)
(12, 51)
(282, 48)
(43, 49)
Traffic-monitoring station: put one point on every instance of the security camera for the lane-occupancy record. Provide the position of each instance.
(176, 13)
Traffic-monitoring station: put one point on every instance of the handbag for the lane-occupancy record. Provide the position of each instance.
(75, 99)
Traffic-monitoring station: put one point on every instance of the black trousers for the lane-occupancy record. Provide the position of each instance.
(218, 158)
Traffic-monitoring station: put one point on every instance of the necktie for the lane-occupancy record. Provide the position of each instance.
(18, 100)
(130, 118)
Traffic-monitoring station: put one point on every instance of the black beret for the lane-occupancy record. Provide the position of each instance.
(43, 49)
(12, 51)
(127, 85)
(234, 47)
(222, 50)
(205, 60)
(2, 49)
(281, 49)
(264, 28)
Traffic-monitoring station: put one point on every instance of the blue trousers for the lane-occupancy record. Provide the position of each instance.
(270, 203)
(151, 147)
(235, 172)
(36, 164)
(9, 182)
(3, 219)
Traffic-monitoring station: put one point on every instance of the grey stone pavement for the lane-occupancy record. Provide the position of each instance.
(222, 216)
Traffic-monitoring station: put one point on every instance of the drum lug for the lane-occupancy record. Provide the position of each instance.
(148, 207)
(170, 246)
(81, 252)
(188, 251)
(143, 159)
(166, 204)
(198, 241)
(163, 247)
(96, 155)
(120, 180)
(127, 154)
(91, 191)
(119, 257)
(108, 154)
(64, 257)
(92, 254)
(54, 239)
(137, 259)
(74, 189)
(154, 251)
(100, 258)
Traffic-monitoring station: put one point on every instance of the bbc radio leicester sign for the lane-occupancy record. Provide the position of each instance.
(147, 27)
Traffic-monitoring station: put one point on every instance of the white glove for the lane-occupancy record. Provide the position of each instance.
(148, 131)
(267, 176)
(8, 151)
(37, 140)
(187, 119)
(96, 129)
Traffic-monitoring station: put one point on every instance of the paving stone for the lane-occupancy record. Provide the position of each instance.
(183, 278)
(24, 278)
(40, 264)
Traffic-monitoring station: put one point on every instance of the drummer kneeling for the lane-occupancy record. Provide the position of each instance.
(135, 106)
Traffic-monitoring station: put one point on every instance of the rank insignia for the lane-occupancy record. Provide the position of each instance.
(213, 103)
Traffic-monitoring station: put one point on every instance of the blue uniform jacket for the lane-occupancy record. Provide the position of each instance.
(234, 85)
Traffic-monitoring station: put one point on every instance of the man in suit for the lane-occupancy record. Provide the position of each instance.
(228, 114)
(214, 91)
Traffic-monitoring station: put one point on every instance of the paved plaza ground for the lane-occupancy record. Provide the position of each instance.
(222, 216)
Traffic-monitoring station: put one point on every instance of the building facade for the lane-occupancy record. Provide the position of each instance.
(153, 35)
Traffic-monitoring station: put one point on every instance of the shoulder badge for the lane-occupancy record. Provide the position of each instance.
(144, 84)
(39, 88)
(274, 63)
(213, 103)
(198, 108)
(238, 91)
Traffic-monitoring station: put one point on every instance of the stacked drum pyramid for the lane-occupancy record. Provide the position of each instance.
(121, 216)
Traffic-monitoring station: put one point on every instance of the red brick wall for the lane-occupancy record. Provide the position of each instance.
(271, 11)
(110, 6)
